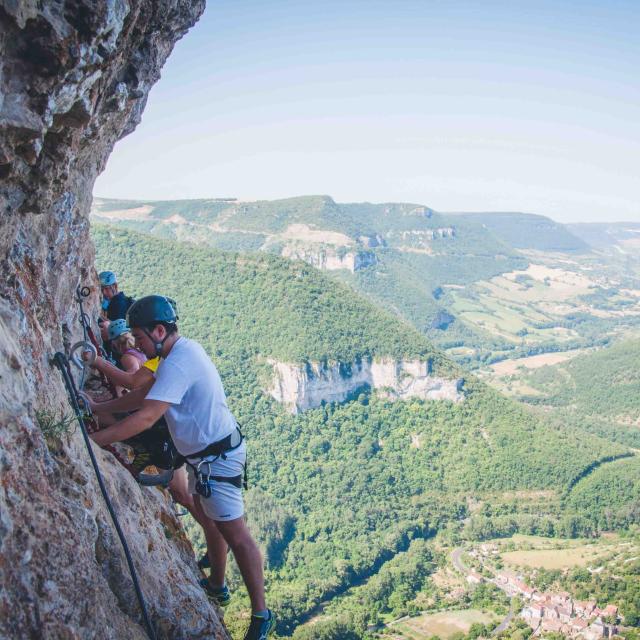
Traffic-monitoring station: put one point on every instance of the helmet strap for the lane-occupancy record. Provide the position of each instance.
(158, 345)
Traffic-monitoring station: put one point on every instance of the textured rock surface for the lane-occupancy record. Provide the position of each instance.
(305, 387)
(74, 79)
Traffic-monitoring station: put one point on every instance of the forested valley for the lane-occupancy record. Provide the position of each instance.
(354, 502)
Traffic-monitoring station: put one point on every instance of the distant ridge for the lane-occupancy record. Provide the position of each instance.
(528, 231)
(602, 235)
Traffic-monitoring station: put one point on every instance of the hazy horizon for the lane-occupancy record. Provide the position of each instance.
(530, 108)
(420, 204)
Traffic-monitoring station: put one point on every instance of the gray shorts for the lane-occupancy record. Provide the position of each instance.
(225, 502)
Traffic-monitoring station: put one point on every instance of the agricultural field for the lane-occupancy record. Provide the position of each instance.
(444, 624)
(526, 555)
(510, 367)
(536, 305)
(564, 554)
(556, 305)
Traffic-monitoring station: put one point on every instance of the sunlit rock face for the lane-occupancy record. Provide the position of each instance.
(74, 79)
(302, 387)
(331, 259)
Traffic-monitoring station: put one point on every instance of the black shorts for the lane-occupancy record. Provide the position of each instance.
(154, 446)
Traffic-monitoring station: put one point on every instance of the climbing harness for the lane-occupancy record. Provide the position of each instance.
(62, 363)
(151, 447)
(154, 446)
(205, 480)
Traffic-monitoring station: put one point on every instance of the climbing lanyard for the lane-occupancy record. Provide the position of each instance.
(75, 353)
(62, 363)
(89, 343)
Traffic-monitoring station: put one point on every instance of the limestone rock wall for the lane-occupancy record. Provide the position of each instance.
(74, 78)
(302, 387)
(329, 258)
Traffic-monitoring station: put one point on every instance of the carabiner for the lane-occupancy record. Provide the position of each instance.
(83, 345)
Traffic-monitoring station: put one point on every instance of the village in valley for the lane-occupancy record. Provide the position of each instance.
(548, 612)
(522, 586)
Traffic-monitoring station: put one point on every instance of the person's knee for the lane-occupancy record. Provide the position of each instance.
(242, 543)
(182, 497)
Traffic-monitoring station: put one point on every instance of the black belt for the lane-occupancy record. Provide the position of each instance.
(237, 481)
(218, 448)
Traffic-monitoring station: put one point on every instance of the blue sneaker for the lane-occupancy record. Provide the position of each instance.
(204, 563)
(222, 596)
(260, 627)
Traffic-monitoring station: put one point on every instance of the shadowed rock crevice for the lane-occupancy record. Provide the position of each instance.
(74, 78)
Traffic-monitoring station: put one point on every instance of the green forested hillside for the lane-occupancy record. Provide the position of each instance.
(610, 496)
(416, 249)
(599, 391)
(338, 491)
(261, 304)
(483, 286)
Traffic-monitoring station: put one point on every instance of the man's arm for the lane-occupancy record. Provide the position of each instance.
(150, 412)
(123, 378)
(128, 402)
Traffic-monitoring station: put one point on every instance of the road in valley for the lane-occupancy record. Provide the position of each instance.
(456, 560)
(458, 563)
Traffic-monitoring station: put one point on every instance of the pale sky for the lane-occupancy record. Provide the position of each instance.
(462, 106)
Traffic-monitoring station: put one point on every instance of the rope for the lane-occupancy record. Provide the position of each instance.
(61, 362)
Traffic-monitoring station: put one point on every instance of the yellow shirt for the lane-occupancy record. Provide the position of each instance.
(152, 364)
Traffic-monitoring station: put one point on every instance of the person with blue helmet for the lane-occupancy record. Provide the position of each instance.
(187, 391)
(122, 343)
(115, 304)
(117, 328)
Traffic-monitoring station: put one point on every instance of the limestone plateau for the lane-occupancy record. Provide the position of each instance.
(74, 79)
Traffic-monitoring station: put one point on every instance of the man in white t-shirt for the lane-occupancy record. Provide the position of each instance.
(188, 392)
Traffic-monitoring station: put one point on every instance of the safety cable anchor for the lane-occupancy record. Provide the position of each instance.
(85, 346)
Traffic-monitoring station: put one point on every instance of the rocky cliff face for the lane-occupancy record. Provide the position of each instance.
(302, 387)
(74, 78)
(329, 258)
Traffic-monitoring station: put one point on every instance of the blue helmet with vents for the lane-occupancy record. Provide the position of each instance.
(107, 278)
(117, 328)
(151, 309)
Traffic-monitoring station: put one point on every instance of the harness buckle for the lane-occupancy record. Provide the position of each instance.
(203, 480)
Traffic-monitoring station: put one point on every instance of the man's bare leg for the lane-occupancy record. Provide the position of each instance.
(179, 489)
(216, 546)
(248, 558)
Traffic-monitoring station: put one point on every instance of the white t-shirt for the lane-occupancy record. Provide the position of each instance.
(198, 414)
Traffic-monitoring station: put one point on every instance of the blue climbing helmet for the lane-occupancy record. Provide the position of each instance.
(107, 278)
(152, 309)
(117, 328)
